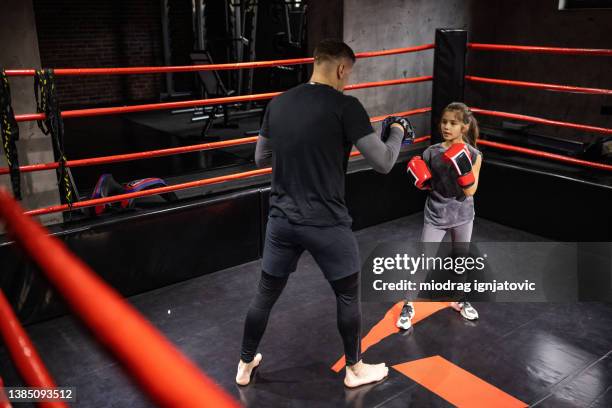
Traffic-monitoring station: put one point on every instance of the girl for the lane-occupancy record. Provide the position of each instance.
(452, 182)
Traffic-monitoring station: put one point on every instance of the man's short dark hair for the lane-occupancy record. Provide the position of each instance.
(330, 49)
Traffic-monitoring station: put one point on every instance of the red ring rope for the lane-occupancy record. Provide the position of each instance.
(199, 102)
(167, 189)
(134, 156)
(79, 113)
(533, 119)
(411, 112)
(23, 353)
(394, 51)
(208, 67)
(545, 155)
(389, 82)
(153, 191)
(540, 50)
(297, 61)
(166, 152)
(536, 85)
(168, 376)
(4, 403)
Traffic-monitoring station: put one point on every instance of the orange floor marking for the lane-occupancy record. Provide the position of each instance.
(456, 385)
(386, 326)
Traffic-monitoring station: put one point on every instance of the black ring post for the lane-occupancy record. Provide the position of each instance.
(448, 74)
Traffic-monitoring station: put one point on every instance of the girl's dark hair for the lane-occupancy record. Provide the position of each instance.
(468, 118)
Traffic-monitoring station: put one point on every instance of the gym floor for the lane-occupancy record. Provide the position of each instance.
(540, 354)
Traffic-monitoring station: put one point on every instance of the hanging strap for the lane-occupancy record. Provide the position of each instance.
(53, 125)
(10, 134)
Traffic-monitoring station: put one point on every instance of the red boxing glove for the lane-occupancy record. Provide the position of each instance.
(461, 160)
(420, 173)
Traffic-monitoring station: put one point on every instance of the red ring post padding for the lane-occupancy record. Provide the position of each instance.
(541, 50)
(208, 67)
(537, 85)
(165, 374)
(545, 155)
(23, 353)
(78, 113)
(166, 152)
(534, 119)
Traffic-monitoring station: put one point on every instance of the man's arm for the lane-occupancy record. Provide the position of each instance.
(263, 152)
(263, 149)
(381, 156)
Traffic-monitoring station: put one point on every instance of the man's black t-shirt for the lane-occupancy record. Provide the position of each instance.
(312, 129)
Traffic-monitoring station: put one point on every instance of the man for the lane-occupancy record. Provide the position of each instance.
(308, 133)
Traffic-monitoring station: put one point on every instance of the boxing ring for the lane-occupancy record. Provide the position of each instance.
(267, 96)
(170, 378)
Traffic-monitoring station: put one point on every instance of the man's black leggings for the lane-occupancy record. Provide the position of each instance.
(348, 311)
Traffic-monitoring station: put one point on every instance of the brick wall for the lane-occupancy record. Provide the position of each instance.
(101, 33)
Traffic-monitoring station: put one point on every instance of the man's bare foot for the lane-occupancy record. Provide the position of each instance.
(243, 376)
(361, 373)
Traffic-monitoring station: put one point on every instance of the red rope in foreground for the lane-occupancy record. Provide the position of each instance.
(166, 375)
(536, 85)
(208, 67)
(170, 151)
(533, 119)
(167, 189)
(541, 50)
(4, 403)
(545, 155)
(23, 353)
(79, 113)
